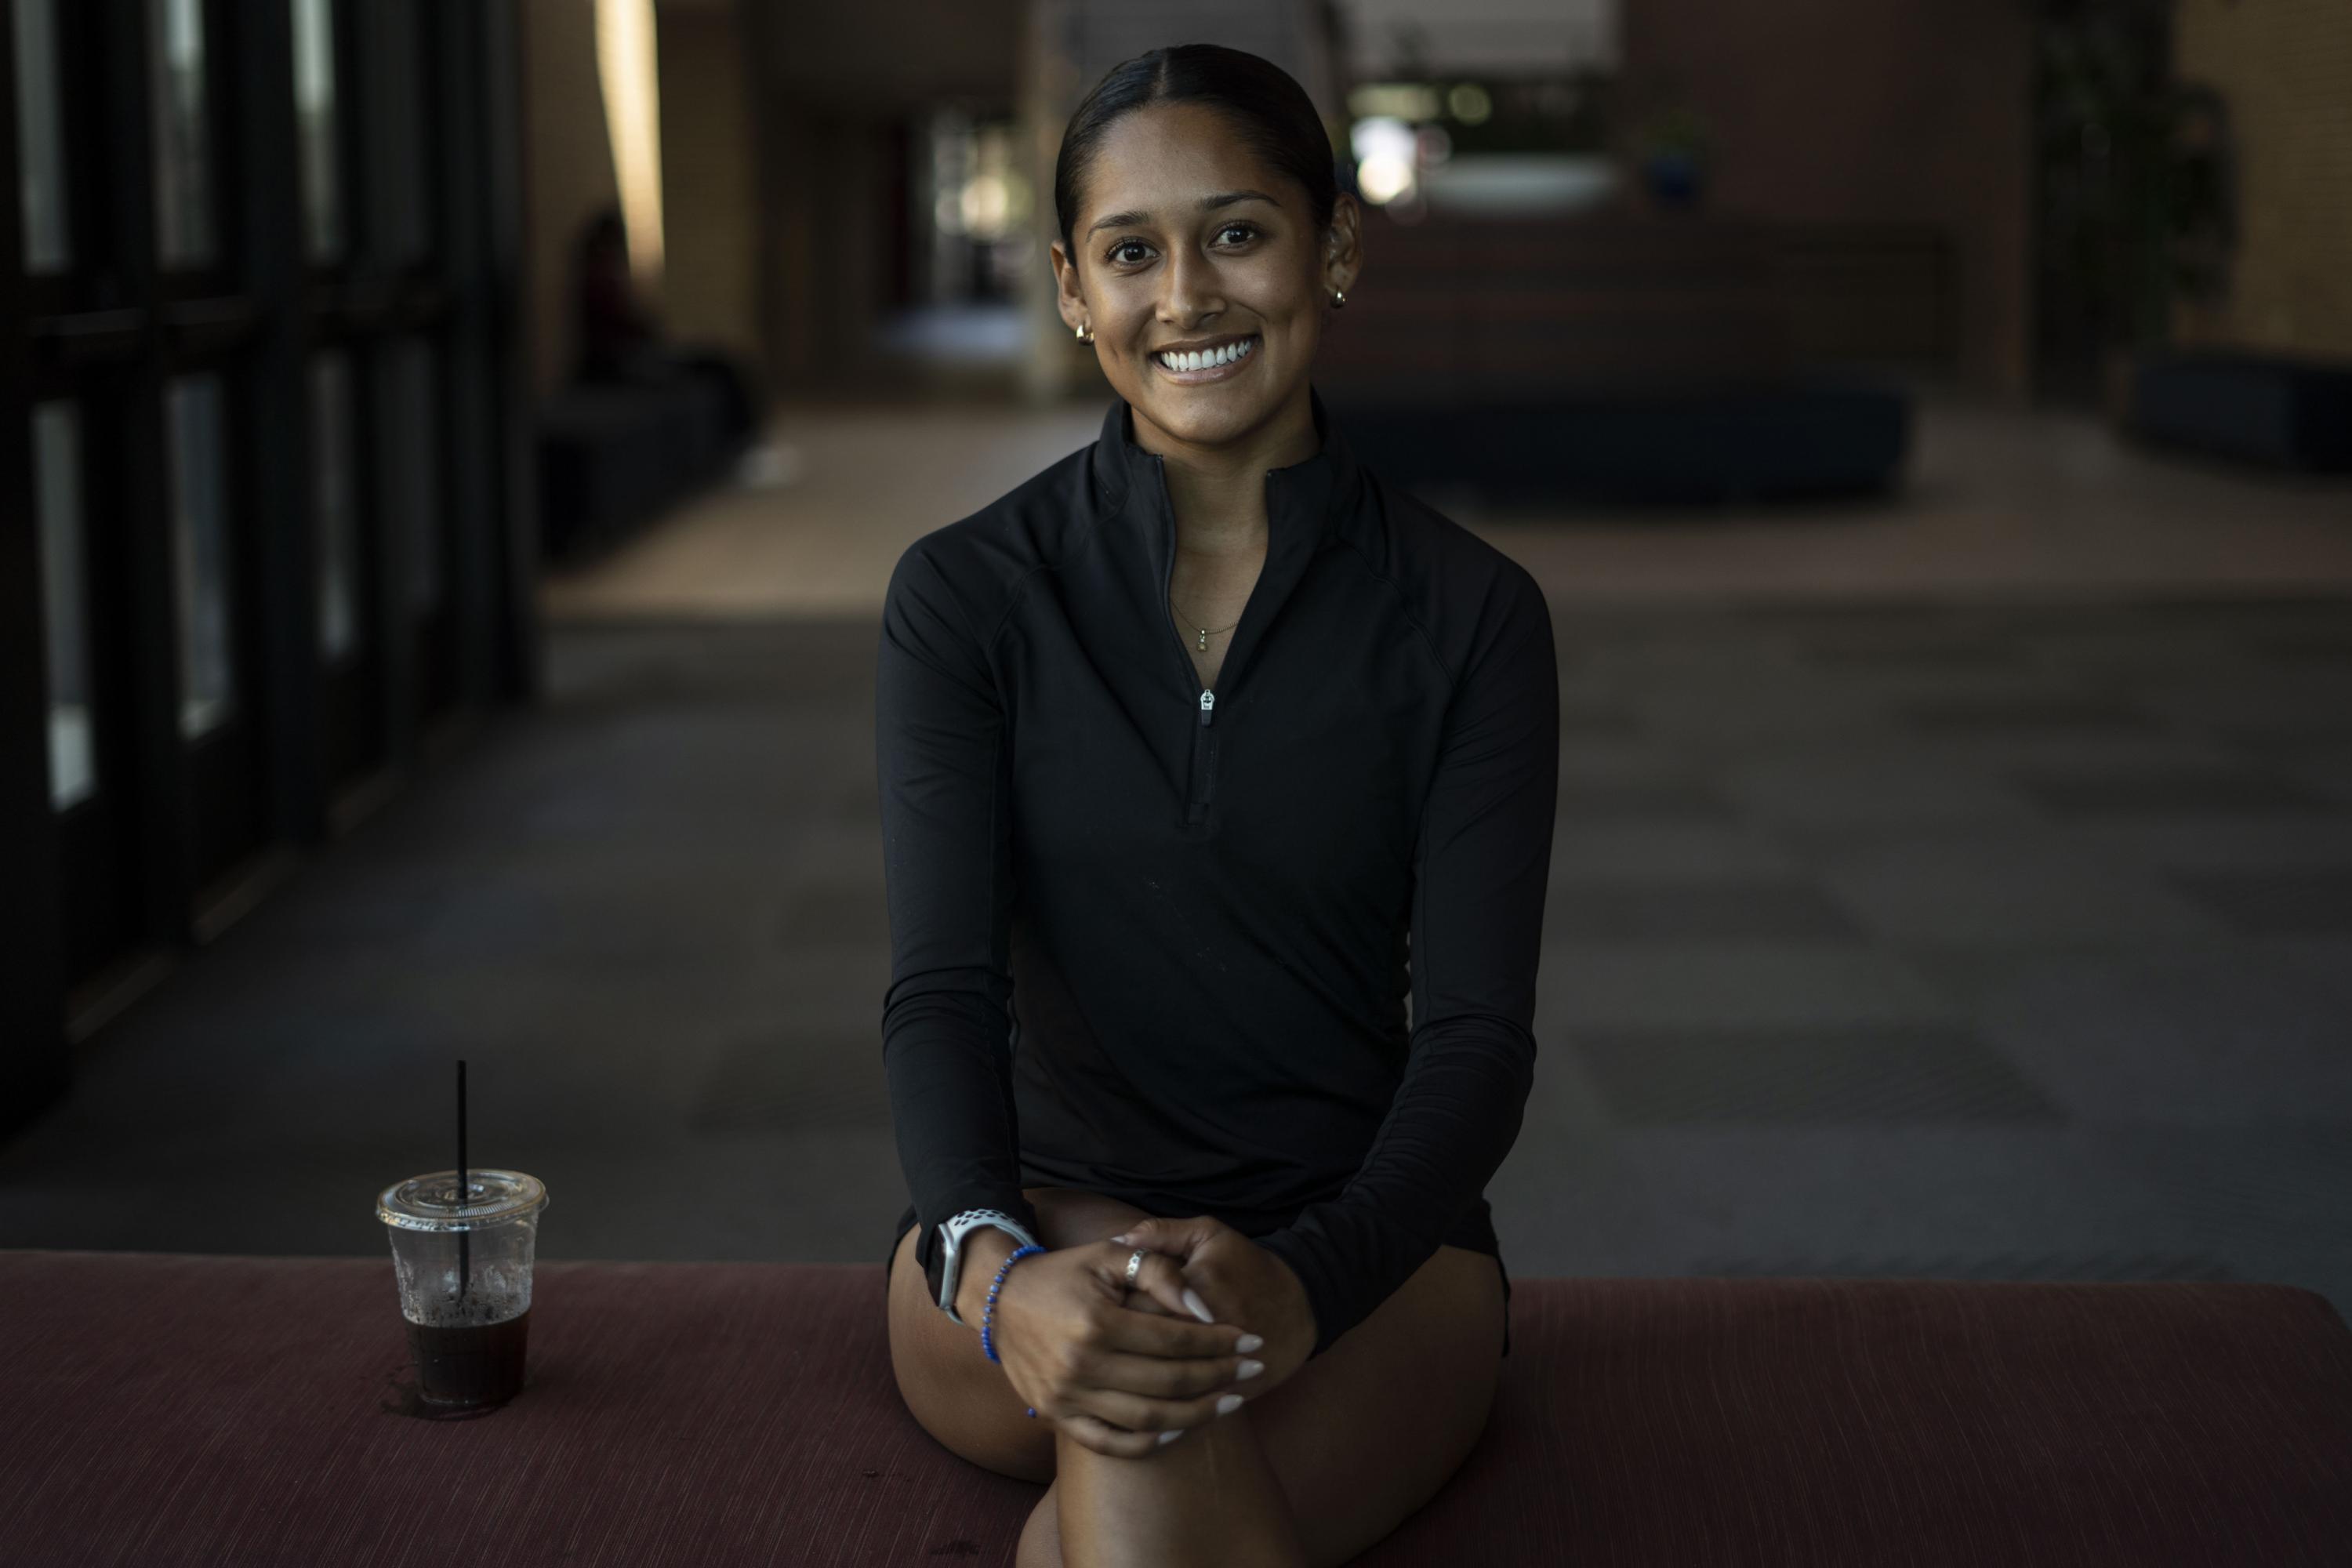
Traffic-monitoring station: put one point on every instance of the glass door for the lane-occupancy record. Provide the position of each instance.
(80, 398)
(264, 458)
(215, 597)
(214, 616)
(342, 524)
(84, 624)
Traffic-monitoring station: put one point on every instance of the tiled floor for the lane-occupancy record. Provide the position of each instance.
(2048, 506)
(2000, 930)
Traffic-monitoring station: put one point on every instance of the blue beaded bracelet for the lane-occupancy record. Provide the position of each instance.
(987, 1313)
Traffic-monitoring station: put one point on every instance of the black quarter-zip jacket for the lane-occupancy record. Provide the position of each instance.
(1157, 941)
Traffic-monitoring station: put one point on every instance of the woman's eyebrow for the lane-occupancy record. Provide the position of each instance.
(1208, 205)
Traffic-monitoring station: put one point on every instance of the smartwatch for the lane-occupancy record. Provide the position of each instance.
(952, 1235)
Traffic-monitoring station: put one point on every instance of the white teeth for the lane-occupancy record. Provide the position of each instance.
(1204, 360)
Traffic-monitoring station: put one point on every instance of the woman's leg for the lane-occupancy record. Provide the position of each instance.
(1210, 1499)
(1364, 1435)
(1357, 1439)
(955, 1392)
(1353, 1443)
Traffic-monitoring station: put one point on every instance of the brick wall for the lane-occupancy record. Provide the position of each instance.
(1873, 111)
(2286, 68)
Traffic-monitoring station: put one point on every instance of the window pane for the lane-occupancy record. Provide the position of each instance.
(335, 506)
(314, 104)
(40, 138)
(193, 411)
(65, 609)
(184, 174)
(400, 140)
(420, 461)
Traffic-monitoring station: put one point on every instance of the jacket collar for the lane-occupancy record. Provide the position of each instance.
(1316, 492)
(1306, 504)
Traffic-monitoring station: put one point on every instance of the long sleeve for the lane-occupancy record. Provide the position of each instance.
(1480, 873)
(943, 766)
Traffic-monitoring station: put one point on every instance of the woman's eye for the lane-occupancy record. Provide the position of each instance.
(1117, 253)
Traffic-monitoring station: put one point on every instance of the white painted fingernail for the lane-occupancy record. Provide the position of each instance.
(1249, 1343)
(1167, 1438)
(1199, 1307)
(1249, 1369)
(1229, 1404)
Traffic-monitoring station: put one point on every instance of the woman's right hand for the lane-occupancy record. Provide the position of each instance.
(1116, 1377)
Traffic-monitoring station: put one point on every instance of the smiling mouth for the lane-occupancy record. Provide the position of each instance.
(1208, 363)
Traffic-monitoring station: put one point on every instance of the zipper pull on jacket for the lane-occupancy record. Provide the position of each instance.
(1207, 703)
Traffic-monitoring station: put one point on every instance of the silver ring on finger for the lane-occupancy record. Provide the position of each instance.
(1135, 1266)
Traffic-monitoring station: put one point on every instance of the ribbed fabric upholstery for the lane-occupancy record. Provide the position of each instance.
(162, 1409)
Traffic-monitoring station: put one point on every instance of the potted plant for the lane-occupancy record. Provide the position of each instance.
(1672, 147)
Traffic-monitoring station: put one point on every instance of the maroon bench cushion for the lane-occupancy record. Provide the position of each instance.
(163, 1408)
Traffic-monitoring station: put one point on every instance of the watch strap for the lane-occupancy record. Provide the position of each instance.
(952, 1234)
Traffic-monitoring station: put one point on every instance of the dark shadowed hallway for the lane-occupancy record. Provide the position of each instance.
(1996, 933)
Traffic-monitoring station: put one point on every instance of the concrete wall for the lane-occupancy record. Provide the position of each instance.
(2286, 68)
(1873, 111)
(709, 186)
(568, 163)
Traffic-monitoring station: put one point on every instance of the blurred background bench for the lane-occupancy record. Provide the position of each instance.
(2278, 411)
(614, 456)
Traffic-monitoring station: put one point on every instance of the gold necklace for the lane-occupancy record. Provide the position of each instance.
(1203, 630)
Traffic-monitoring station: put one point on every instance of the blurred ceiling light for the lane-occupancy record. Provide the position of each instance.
(1385, 149)
(1383, 178)
(1393, 100)
(985, 203)
(626, 71)
(1469, 103)
(983, 194)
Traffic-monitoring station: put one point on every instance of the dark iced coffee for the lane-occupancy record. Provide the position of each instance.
(468, 1306)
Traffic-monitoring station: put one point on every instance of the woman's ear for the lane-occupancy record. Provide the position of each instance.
(1067, 298)
(1343, 253)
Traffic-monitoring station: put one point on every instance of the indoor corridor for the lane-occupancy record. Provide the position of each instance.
(1988, 852)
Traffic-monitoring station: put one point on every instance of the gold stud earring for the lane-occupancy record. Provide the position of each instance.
(1339, 298)
(1085, 333)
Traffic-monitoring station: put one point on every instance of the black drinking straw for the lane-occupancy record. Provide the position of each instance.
(465, 1239)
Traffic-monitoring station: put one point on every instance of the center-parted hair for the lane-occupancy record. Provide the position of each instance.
(1266, 105)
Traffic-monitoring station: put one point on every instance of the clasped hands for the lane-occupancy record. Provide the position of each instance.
(1124, 1371)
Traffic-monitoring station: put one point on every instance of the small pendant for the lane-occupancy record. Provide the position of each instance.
(1204, 639)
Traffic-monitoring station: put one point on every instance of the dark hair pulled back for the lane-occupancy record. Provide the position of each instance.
(1266, 105)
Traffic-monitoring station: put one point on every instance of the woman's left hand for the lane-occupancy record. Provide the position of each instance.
(1236, 1282)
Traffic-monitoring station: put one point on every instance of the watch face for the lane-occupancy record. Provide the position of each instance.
(933, 1257)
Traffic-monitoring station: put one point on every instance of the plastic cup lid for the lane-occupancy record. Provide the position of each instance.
(431, 1202)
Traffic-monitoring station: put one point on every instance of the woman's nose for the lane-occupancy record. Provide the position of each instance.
(1189, 294)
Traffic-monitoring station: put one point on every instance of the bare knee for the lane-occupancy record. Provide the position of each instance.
(1041, 1538)
(1211, 1498)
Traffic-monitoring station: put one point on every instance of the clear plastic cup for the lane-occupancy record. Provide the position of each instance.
(469, 1338)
